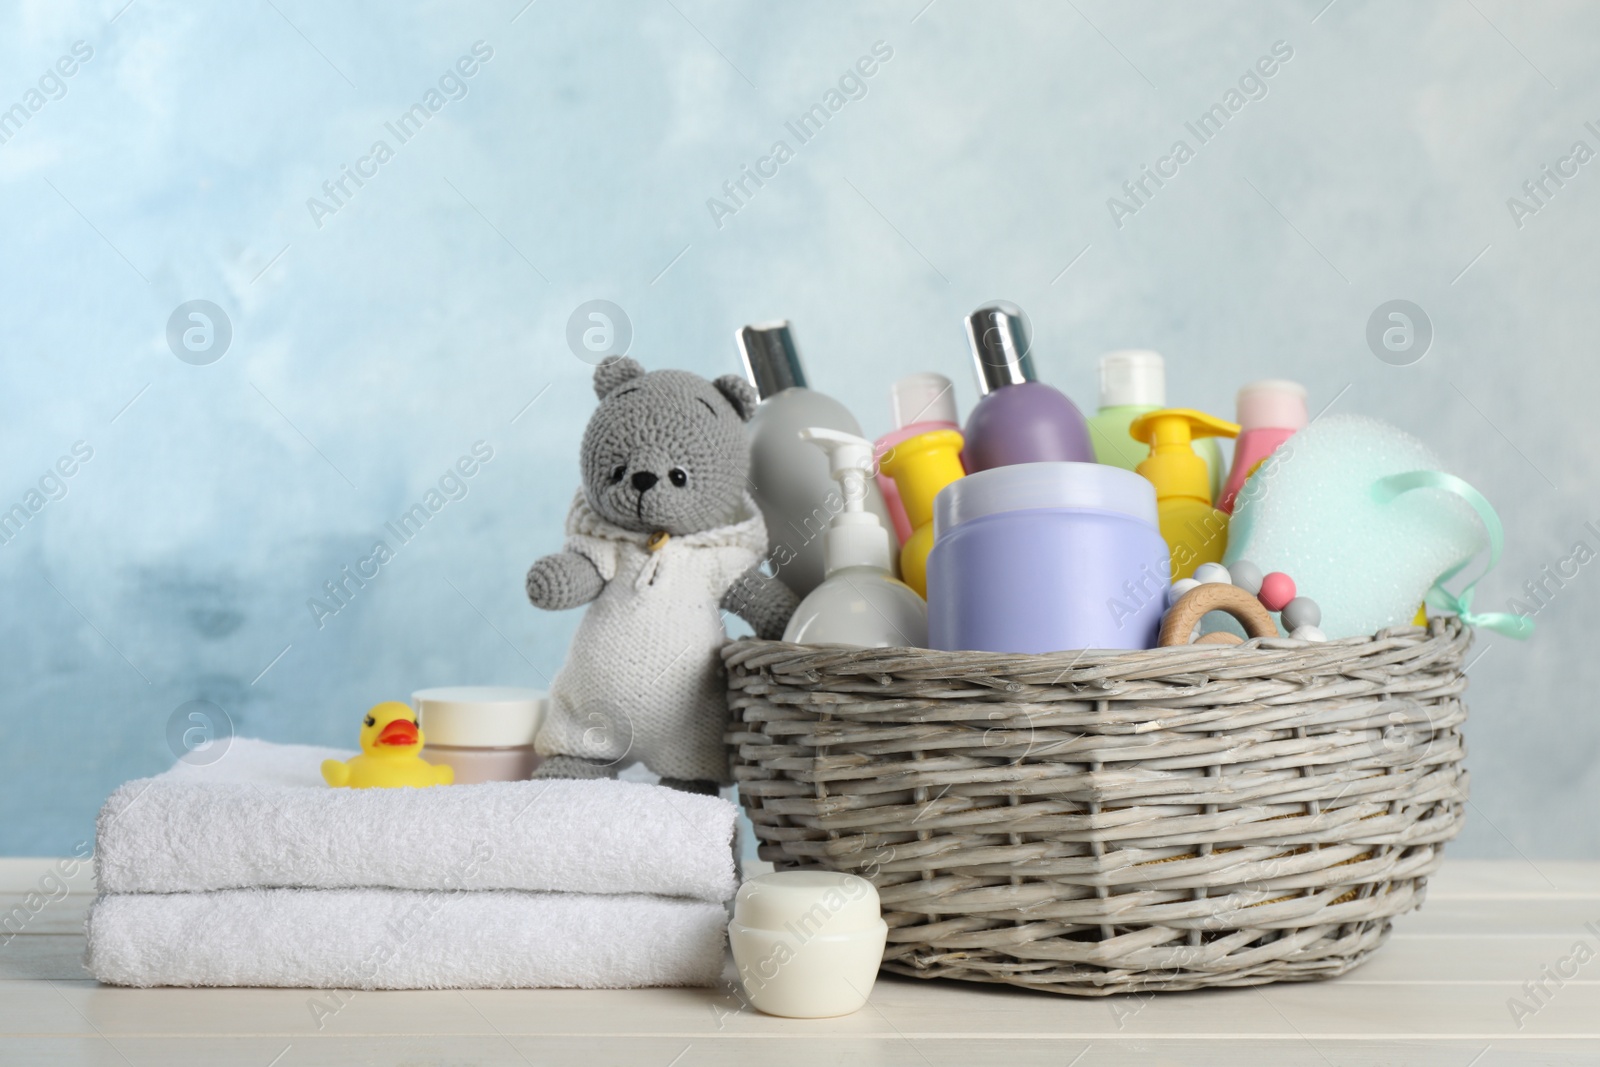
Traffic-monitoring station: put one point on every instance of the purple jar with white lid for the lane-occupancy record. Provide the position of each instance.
(1047, 557)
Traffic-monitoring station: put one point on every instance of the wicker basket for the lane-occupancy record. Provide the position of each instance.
(1104, 822)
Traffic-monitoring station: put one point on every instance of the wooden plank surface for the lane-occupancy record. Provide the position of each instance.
(1438, 993)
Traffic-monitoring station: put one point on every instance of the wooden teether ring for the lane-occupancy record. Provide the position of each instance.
(1215, 596)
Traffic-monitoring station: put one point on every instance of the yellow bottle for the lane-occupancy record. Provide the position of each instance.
(1195, 531)
(920, 468)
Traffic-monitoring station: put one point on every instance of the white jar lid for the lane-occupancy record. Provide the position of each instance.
(1035, 486)
(821, 902)
(479, 716)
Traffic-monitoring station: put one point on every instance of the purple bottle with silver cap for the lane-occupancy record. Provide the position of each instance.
(1020, 419)
(1046, 557)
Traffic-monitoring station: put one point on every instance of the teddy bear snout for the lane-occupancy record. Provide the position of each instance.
(643, 480)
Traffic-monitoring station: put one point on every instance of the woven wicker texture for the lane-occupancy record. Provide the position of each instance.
(1104, 822)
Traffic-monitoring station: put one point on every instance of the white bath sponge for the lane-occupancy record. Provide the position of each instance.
(1311, 512)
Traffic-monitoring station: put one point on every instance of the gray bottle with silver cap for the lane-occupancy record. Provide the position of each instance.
(791, 479)
(1019, 419)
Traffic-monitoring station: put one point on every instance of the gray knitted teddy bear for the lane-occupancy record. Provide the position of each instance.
(662, 535)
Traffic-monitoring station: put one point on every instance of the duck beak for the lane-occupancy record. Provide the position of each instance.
(400, 732)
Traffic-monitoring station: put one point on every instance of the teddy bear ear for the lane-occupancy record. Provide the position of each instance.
(613, 372)
(740, 393)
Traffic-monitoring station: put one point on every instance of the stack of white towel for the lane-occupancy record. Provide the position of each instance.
(252, 872)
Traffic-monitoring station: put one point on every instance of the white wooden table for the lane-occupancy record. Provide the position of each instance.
(1437, 994)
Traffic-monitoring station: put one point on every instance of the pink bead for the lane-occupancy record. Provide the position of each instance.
(1277, 589)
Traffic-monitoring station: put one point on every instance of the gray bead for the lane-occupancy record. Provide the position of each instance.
(1301, 611)
(1246, 576)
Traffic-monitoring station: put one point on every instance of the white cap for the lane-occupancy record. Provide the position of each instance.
(1273, 403)
(1133, 376)
(776, 900)
(854, 538)
(479, 716)
(925, 397)
(1037, 486)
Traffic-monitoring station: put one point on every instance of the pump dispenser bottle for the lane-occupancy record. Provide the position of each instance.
(1020, 419)
(1195, 531)
(1132, 382)
(860, 602)
(789, 478)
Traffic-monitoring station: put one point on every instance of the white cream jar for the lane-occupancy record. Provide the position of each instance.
(807, 943)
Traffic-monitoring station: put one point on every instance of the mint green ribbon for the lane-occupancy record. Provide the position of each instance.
(1387, 489)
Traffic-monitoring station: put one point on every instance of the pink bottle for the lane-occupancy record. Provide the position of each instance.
(922, 403)
(1269, 412)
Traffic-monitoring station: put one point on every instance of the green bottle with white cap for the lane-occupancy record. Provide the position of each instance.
(1133, 381)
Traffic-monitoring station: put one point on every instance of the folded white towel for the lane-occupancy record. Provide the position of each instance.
(261, 816)
(404, 939)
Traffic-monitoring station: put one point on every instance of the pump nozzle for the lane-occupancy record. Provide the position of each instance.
(854, 538)
(1195, 532)
(1172, 464)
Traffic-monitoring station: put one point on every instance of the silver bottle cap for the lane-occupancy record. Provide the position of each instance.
(770, 360)
(998, 334)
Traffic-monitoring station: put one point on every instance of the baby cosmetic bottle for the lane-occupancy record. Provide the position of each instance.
(923, 403)
(920, 467)
(1269, 413)
(1195, 531)
(860, 602)
(1020, 419)
(1133, 381)
(789, 477)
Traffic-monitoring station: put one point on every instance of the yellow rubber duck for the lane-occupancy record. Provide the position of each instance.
(391, 746)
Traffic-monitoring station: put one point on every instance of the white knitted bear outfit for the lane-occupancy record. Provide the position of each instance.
(643, 680)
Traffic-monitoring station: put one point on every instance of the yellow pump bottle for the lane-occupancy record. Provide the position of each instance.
(1195, 531)
(920, 468)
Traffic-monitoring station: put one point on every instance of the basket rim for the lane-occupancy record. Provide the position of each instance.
(1258, 655)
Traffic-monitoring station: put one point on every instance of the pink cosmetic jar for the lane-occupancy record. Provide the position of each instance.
(484, 732)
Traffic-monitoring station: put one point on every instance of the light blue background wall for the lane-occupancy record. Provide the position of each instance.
(371, 351)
